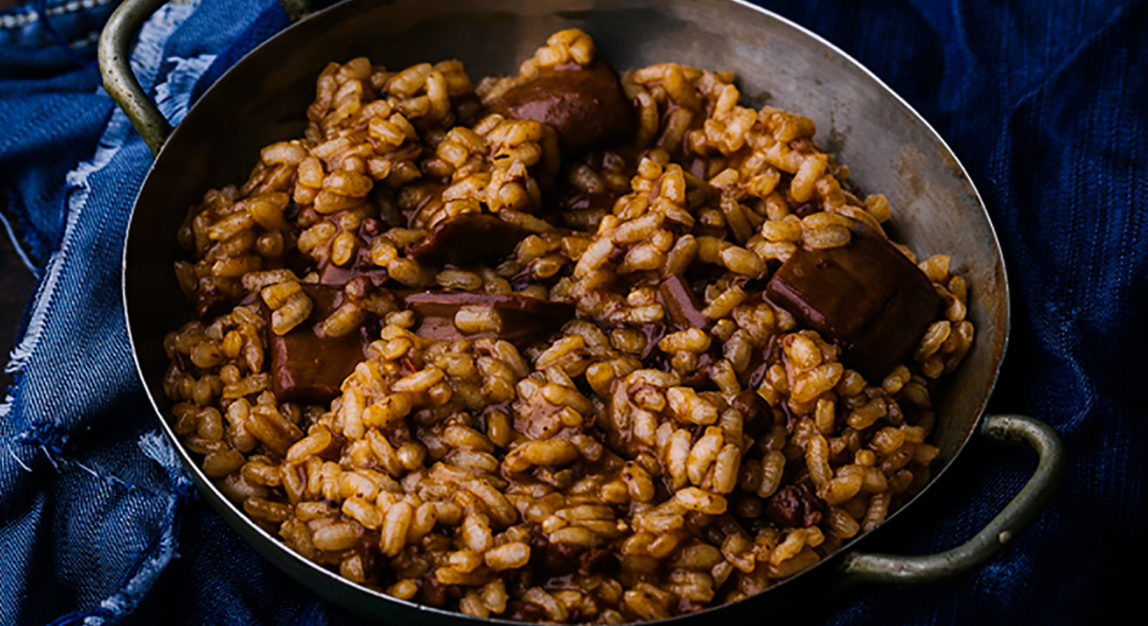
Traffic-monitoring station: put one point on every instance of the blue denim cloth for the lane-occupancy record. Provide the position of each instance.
(1043, 101)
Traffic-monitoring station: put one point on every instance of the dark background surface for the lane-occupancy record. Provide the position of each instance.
(16, 286)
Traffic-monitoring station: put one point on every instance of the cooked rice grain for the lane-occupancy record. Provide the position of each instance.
(614, 470)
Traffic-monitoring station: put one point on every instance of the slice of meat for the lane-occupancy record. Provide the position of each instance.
(681, 304)
(585, 105)
(210, 302)
(751, 406)
(599, 202)
(795, 506)
(523, 319)
(866, 296)
(468, 238)
(335, 276)
(653, 333)
(581, 211)
(760, 361)
(700, 378)
(757, 415)
(308, 368)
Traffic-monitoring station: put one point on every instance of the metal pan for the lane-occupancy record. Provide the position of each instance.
(888, 146)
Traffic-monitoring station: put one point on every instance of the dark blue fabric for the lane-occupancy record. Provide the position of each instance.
(51, 117)
(1045, 103)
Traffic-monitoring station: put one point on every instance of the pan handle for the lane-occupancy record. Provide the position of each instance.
(1016, 516)
(119, 80)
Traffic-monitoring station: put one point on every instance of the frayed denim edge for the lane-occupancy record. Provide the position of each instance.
(149, 568)
(146, 61)
(145, 64)
(181, 80)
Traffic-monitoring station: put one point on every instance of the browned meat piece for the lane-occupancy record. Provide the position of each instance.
(523, 319)
(700, 378)
(308, 368)
(751, 406)
(760, 361)
(526, 612)
(681, 304)
(865, 296)
(586, 106)
(331, 274)
(653, 332)
(579, 210)
(468, 238)
(434, 593)
(209, 302)
(597, 560)
(757, 414)
(602, 201)
(795, 506)
(360, 265)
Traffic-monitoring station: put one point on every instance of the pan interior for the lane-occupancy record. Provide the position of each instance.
(886, 145)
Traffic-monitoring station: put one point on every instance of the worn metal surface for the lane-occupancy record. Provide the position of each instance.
(888, 146)
(115, 66)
